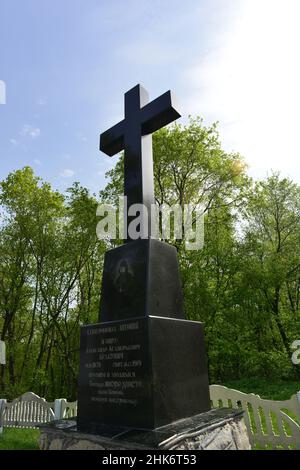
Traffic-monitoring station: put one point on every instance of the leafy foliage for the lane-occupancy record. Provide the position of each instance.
(244, 284)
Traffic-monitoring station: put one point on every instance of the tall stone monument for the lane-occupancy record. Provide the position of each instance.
(143, 380)
(143, 365)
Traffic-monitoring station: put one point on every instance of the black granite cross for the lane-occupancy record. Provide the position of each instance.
(133, 135)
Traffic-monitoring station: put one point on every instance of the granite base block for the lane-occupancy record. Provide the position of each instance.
(217, 429)
(142, 373)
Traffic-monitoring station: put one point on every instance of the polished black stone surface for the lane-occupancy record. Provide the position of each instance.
(141, 279)
(141, 373)
(143, 366)
(133, 135)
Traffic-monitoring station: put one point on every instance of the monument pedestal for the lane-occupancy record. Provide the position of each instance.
(143, 373)
(218, 429)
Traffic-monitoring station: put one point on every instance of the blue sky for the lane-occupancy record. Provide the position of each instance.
(67, 63)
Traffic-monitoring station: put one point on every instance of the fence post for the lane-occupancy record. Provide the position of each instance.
(58, 408)
(2, 408)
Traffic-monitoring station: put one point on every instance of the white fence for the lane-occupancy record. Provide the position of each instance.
(29, 410)
(270, 424)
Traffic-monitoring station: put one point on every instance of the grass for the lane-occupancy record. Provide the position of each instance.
(19, 439)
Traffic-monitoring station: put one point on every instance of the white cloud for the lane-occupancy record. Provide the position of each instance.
(250, 83)
(37, 162)
(13, 141)
(67, 173)
(30, 131)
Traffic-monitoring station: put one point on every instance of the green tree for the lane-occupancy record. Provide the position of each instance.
(271, 263)
(49, 281)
